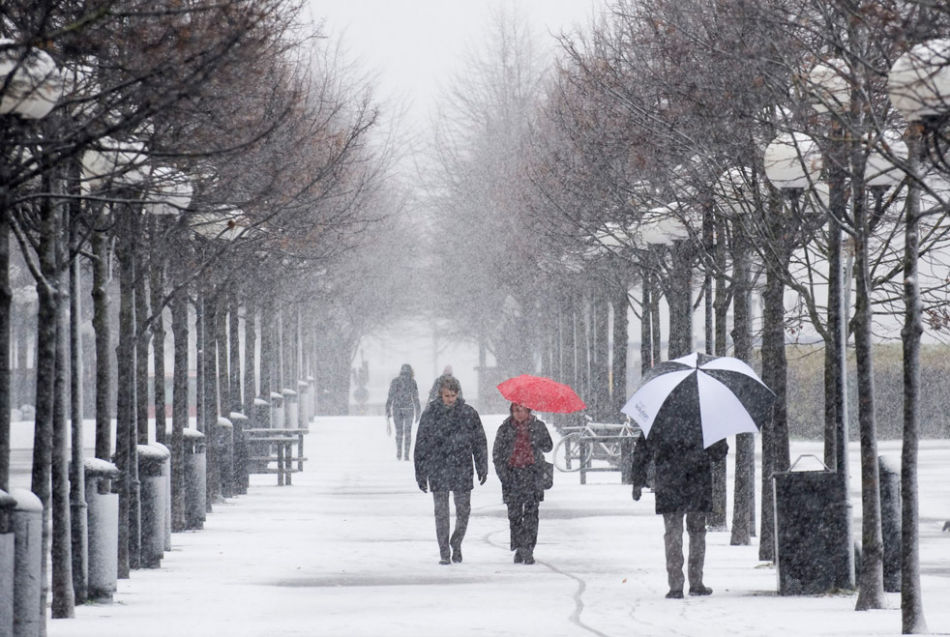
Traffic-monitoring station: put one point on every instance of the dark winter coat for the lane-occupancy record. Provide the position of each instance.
(522, 483)
(403, 394)
(683, 480)
(448, 441)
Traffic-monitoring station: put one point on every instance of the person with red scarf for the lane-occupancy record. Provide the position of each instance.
(518, 456)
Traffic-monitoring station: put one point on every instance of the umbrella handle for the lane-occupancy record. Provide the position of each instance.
(808, 455)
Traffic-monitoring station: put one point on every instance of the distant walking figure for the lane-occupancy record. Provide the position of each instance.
(449, 440)
(683, 488)
(402, 406)
(434, 392)
(518, 456)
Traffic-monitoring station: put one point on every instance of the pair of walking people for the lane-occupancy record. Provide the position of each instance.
(451, 441)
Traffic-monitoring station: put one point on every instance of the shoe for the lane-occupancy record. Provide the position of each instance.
(457, 555)
(674, 595)
(519, 558)
(444, 561)
(700, 590)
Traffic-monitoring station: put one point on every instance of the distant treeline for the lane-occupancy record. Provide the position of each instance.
(806, 391)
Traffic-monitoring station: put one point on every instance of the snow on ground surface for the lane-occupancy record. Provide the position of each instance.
(349, 550)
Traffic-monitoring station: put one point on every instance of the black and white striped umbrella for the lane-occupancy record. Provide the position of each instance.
(700, 398)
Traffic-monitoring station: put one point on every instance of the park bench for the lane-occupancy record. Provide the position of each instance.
(266, 446)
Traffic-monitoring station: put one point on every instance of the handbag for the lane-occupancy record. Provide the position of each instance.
(546, 477)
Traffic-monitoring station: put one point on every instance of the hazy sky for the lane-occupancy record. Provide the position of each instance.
(414, 44)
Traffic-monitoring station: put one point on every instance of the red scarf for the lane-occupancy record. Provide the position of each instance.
(521, 454)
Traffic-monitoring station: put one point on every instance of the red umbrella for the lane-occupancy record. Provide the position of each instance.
(541, 394)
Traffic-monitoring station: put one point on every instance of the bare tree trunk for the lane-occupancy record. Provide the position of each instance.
(210, 404)
(912, 606)
(871, 580)
(179, 308)
(646, 320)
(142, 339)
(63, 601)
(77, 486)
(716, 315)
(6, 302)
(250, 347)
(100, 323)
(157, 265)
(621, 325)
(234, 355)
(744, 489)
(40, 482)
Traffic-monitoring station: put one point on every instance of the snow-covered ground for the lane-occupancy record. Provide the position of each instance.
(349, 550)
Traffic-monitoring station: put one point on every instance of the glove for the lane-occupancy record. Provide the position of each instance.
(482, 478)
(422, 486)
(637, 491)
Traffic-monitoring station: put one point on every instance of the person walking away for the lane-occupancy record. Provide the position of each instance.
(518, 456)
(683, 489)
(449, 440)
(434, 392)
(402, 405)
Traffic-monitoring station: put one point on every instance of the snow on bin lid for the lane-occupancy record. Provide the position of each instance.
(260, 401)
(274, 394)
(151, 452)
(289, 392)
(27, 501)
(224, 422)
(192, 434)
(99, 467)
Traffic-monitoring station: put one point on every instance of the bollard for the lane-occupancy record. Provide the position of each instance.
(102, 528)
(151, 459)
(196, 480)
(224, 452)
(27, 573)
(304, 404)
(167, 494)
(889, 478)
(7, 551)
(291, 409)
(276, 410)
(240, 476)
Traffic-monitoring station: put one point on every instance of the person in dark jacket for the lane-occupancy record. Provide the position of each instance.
(402, 405)
(449, 440)
(683, 489)
(518, 456)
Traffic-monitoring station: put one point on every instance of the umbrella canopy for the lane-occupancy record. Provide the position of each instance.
(541, 394)
(700, 398)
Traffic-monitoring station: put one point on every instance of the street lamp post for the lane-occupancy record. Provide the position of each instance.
(919, 87)
(792, 163)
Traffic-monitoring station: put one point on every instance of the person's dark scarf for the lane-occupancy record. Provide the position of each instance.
(521, 453)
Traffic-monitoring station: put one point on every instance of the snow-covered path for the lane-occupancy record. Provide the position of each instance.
(349, 550)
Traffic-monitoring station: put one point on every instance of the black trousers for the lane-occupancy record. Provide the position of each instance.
(402, 420)
(673, 541)
(523, 524)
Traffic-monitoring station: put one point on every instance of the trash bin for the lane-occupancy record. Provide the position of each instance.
(807, 530)
(261, 416)
(224, 455)
(167, 475)
(102, 528)
(889, 478)
(239, 423)
(291, 411)
(27, 573)
(304, 403)
(276, 410)
(196, 480)
(152, 495)
(7, 548)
